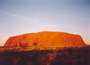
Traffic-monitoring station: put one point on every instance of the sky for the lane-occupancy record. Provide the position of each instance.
(26, 16)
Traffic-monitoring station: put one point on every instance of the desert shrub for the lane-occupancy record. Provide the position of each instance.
(67, 56)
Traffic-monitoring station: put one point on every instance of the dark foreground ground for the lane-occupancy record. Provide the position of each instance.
(67, 56)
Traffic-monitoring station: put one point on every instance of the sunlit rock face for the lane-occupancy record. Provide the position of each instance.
(46, 39)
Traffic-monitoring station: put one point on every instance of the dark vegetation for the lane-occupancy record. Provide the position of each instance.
(67, 56)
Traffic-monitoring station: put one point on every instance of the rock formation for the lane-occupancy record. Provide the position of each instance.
(46, 39)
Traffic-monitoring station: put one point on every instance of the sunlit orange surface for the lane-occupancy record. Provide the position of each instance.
(45, 40)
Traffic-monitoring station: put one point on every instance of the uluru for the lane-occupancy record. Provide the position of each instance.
(46, 39)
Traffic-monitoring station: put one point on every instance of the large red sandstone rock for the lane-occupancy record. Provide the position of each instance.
(46, 39)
